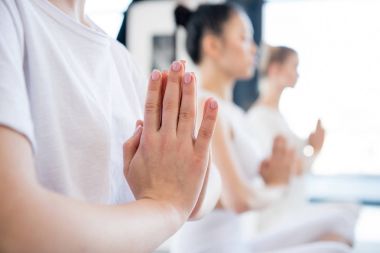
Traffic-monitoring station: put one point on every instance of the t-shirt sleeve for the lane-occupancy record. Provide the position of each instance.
(14, 102)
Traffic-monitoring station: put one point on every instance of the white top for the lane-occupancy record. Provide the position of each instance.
(266, 123)
(245, 148)
(223, 227)
(285, 225)
(74, 93)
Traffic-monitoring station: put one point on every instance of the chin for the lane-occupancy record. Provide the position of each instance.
(293, 84)
(248, 74)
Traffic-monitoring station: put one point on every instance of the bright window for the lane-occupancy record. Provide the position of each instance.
(339, 48)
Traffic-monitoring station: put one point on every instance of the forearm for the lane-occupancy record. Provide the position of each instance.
(47, 222)
(236, 192)
(33, 219)
(211, 194)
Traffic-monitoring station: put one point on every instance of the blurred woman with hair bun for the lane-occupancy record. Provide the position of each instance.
(219, 41)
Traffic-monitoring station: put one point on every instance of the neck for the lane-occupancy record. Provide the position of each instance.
(216, 81)
(271, 94)
(73, 8)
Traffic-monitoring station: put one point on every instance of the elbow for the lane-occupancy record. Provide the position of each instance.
(235, 203)
(7, 240)
(212, 195)
(240, 208)
(15, 222)
(12, 236)
(237, 207)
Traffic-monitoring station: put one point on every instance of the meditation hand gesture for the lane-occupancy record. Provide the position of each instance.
(316, 139)
(278, 168)
(163, 161)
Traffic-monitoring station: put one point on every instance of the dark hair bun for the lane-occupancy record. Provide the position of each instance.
(182, 15)
(208, 18)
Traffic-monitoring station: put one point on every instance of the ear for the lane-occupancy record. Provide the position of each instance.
(212, 46)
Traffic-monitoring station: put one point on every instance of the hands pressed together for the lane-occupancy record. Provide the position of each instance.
(284, 162)
(279, 167)
(163, 160)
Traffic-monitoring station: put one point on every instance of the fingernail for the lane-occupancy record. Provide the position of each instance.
(183, 62)
(187, 78)
(137, 130)
(195, 77)
(213, 104)
(176, 66)
(155, 75)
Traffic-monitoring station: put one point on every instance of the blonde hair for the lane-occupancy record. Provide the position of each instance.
(273, 55)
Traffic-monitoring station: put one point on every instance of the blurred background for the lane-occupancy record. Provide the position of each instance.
(338, 42)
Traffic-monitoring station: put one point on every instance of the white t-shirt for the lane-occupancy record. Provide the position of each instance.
(266, 123)
(246, 151)
(74, 93)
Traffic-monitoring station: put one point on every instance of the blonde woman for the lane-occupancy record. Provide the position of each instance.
(279, 71)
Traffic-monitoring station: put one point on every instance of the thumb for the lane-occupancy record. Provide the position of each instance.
(291, 156)
(319, 124)
(131, 145)
(264, 165)
(279, 146)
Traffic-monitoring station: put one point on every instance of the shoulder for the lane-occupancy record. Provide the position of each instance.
(263, 120)
(121, 53)
(226, 108)
(261, 114)
(255, 110)
(9, 4)
(124, 60)
(14, 9)
(10, 14)
(128, 69)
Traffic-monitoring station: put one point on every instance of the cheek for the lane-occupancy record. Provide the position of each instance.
(231, 59)
(238, 61)
(291, 77)
(247, 59)
(244, 51)
(243, 56)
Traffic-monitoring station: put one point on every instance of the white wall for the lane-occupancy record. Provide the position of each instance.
(156, 17)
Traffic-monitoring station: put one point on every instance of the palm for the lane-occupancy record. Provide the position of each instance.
(277, 169)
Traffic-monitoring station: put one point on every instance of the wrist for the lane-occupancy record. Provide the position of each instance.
(170, 212)
(277, 182)
(309, 150)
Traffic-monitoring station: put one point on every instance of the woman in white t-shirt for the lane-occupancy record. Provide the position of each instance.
(219, 40)
(279, 72)
(69, 100)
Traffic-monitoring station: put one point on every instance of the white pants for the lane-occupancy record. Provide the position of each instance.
(316, 247)
(220, 232)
